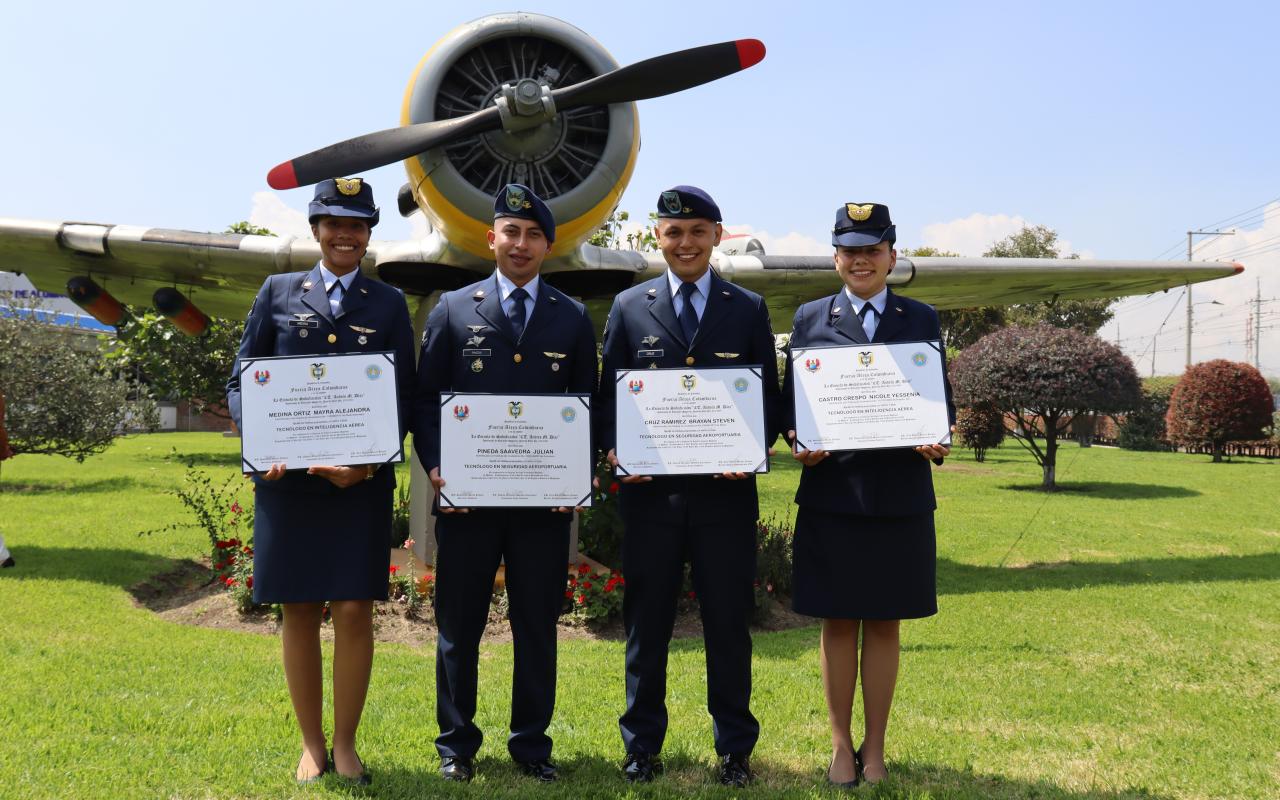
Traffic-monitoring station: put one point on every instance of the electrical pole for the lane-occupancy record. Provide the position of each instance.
(1189, 235)
(1257, 327)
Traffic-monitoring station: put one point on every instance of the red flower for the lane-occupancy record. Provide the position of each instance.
(608, 587)
(233, 543)
(248, 551)
(394, 569)
(586, 585)
(583, 569)
(581, 599)
(692, 595)
(235, 508)
(568, 593)
(613, 488)
(230, 581)
(248, 582)
(221, 544)
(573, 581)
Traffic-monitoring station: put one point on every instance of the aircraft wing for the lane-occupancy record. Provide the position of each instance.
(221, 272)
(787, 281)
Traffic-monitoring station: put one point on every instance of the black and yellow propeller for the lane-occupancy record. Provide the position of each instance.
(653, 77)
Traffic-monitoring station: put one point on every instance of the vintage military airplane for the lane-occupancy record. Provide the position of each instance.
(531, 99)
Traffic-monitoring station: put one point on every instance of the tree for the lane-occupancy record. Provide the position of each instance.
(1040, 378)
(1217, 402)
(961, 327)
(1143, 428)
(1042, 242)
(980, 428)
(62, 399)
(177, 366)
(610, 234)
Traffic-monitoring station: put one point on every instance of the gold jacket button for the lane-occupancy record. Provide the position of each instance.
(333, 338)
(517, 358)
(689, 361)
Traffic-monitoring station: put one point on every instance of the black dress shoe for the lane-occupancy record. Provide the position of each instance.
(9, 562)
(457, 768)
(542, 769)
(849, 784)
(319, 776)
(363, 779)
(641, 767)
(735, 770)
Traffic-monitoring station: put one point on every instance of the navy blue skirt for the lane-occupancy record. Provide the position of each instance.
(847, 566)
(314, 542)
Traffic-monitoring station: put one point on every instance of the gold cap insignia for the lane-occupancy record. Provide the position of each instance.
(859, 213)
(348, 186)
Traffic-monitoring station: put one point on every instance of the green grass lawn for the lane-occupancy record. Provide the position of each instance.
(1119, 639)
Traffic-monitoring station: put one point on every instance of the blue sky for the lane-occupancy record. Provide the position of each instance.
(1121, 125)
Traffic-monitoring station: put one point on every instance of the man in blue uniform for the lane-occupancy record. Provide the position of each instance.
(510, 333)
(688, 317)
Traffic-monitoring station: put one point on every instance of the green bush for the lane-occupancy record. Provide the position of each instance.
(1144, 427)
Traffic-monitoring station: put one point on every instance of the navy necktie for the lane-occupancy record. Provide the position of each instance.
(688, 316)
(867, 310)
(517, 311)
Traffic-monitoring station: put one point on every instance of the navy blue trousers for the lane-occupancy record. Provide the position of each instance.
(535, 546)
(723, 561)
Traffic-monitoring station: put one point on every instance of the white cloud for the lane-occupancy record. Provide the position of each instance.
(787, 244)
(973, 235)
(270, 212)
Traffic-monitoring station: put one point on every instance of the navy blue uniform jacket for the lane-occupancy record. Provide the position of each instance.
(294, 302)
(557, 353)
(870, 482)
(642, 332)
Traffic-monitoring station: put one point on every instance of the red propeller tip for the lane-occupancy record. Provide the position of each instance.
(750, 52)
(282, 176)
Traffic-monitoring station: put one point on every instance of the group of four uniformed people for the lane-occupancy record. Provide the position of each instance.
(864, 540)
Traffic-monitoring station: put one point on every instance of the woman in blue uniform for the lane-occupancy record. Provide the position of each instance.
(324, 534)
(864, 542)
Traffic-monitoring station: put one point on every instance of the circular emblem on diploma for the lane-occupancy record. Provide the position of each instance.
(568, 414)
(813, 364)
(865, 357)
(919, 359)
(635, 387)
(262, 377)
(460, 413)
(740, 385)
(373, 372)
(515, 408)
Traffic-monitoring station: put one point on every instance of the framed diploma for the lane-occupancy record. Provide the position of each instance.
(515, 450)
(870, 396)
(690, 421)
(319, 410)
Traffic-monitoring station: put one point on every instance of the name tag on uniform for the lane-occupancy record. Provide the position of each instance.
(304, 323)
(477, 352)
(649, 353)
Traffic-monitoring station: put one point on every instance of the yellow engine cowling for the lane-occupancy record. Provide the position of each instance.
(579, 162)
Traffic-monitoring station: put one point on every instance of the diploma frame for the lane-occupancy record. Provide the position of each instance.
(248, 364)
(582, 398)
(755, 369)
(800, 356)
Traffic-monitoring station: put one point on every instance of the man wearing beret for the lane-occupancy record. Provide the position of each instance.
(688, 317)
(511, 333)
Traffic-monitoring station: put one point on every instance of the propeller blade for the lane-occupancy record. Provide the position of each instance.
(665, 74)
(379, 149)
(652, 77)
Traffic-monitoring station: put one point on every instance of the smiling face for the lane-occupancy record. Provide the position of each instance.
(519, 246)
(865, 269)
(343, 241)
(686, 245)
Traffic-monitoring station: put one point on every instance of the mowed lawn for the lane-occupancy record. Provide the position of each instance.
(1120, 639)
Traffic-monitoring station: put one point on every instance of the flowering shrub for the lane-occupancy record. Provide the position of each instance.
(400, 517)
(773, 564)
(1217, 402)
(599, 526)
(594, 597)
(405, 588)
(224, 511)
(980, 428)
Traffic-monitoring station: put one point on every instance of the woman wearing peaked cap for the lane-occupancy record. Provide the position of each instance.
(324, 535)
(864, 549)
